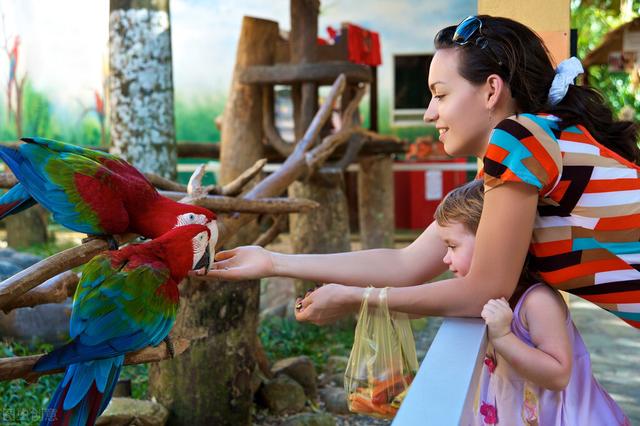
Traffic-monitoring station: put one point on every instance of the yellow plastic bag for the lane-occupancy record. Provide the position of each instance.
(383, 360)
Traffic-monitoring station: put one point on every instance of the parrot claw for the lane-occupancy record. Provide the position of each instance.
(110, 239)
(170, 348)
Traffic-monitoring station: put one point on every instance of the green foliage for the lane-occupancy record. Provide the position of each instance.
(284, 338)
(22, 403)
(195, 121)
(139, 376)
(594, 19)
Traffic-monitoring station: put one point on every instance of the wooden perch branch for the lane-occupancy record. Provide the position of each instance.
(221, 204)
(268, 124)
(20, 283)
(21, 367)
(54, 290)
(294, 166)
(164, 183)
(270, 234)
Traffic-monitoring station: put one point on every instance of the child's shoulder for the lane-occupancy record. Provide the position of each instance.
(540, 301)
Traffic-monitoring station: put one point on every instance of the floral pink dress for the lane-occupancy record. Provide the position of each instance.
(505, 398)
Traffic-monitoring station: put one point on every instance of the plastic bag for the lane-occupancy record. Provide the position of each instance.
(383, 360)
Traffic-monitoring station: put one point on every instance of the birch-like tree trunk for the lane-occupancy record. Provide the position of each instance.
(141, 85)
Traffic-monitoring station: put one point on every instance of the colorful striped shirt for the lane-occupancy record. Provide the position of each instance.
(587, 228)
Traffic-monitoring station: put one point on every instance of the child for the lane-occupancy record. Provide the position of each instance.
(537, 370)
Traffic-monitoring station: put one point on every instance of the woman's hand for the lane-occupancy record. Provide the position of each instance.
(241, 263)
(498, 315)
(328, 303)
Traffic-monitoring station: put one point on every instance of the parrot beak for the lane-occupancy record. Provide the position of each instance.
(213, 239)
(204, 260)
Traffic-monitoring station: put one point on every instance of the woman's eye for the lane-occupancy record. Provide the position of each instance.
(438, 97)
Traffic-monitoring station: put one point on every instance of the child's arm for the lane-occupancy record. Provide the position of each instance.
(549, 363)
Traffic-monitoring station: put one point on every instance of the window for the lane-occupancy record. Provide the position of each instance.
(410, 90)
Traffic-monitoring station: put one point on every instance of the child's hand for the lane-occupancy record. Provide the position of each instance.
(498, 315)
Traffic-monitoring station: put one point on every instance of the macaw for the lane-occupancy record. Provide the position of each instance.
(126, 300)
(93, 192)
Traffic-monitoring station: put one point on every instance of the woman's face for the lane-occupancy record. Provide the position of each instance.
(458, 109)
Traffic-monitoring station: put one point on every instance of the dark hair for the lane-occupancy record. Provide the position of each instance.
(520, 58)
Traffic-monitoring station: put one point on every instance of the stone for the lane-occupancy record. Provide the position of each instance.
(336, 364)
(335, 400)
(6, 253)
(332, 380)
(129, 411)
(310, 419)
(24, 260)
(282, 395)
(47, 323)
(300, 369)
(8, 268)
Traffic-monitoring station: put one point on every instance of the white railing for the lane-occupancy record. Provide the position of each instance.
(443, 391)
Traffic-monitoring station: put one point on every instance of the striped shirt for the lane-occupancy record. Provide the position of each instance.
(587, 228)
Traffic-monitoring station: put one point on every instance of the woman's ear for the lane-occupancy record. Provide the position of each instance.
(494, 88)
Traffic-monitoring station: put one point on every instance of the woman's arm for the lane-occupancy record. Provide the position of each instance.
(414, 264)
(549, 363)
(502, 241)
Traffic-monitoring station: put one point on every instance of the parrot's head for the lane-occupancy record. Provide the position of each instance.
(201, 216)
(186, 248)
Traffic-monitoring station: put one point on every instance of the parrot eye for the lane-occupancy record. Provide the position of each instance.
(191, 216)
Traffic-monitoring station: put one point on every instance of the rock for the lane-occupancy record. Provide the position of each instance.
(300, 369)
(282, 395)
(310, 419)
(257, 379)
(24, 260)
(128, 411)
(336, 365)
(7, 268)
(335, 400)
(47, 323)
(6, 253)
(332, 380)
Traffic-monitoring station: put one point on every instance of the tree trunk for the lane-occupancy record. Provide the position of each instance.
(376, 202)
(322, 230)
(30, 226)
(326, 229)
(27, 228)
(209, 384)
(241, 142)
(141, 85)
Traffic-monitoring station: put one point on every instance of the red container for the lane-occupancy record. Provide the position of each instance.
(418, 192)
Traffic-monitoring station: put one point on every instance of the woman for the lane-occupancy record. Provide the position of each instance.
(563, 186)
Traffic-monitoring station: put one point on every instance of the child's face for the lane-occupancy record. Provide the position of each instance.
(460, 243)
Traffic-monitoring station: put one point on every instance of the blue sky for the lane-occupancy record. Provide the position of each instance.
(65, 41)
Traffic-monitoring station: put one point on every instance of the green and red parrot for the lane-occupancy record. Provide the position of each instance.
(126, 300)
(93, 192)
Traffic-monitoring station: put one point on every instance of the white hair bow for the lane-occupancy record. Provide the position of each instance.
(566, 72)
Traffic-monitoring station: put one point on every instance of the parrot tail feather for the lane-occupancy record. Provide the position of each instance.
(15, 200)
(84, 393)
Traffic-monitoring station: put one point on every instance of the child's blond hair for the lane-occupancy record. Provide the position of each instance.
(462, 205)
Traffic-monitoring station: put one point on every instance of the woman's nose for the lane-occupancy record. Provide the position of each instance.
(431, 114)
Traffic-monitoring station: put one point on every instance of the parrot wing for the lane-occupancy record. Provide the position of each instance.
(116, 309)
(82, 194)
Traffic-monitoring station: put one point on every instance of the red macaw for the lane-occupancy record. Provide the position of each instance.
(126, 300)
(93, 192)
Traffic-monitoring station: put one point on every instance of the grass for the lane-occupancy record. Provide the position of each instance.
(283, 338)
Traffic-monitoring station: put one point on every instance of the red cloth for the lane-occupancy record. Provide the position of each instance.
(364, 46)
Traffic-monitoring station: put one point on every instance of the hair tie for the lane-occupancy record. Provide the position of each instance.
(566, 72)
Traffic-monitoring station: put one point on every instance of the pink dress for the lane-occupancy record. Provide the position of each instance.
(505, 398)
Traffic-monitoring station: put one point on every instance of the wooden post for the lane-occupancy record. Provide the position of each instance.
(241, 142)
(141, 85)
(376, 202)
(210, 383)
(324, 230)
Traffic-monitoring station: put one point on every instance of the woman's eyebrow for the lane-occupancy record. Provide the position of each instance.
(432, 86)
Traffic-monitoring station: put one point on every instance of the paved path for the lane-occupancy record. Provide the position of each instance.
(615, 353)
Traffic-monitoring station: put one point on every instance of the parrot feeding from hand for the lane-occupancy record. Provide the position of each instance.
(93, 192)
(126, 300)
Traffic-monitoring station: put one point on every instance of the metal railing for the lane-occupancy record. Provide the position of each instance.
(443, 391)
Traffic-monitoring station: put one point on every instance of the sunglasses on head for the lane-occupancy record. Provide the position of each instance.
(467, 29)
